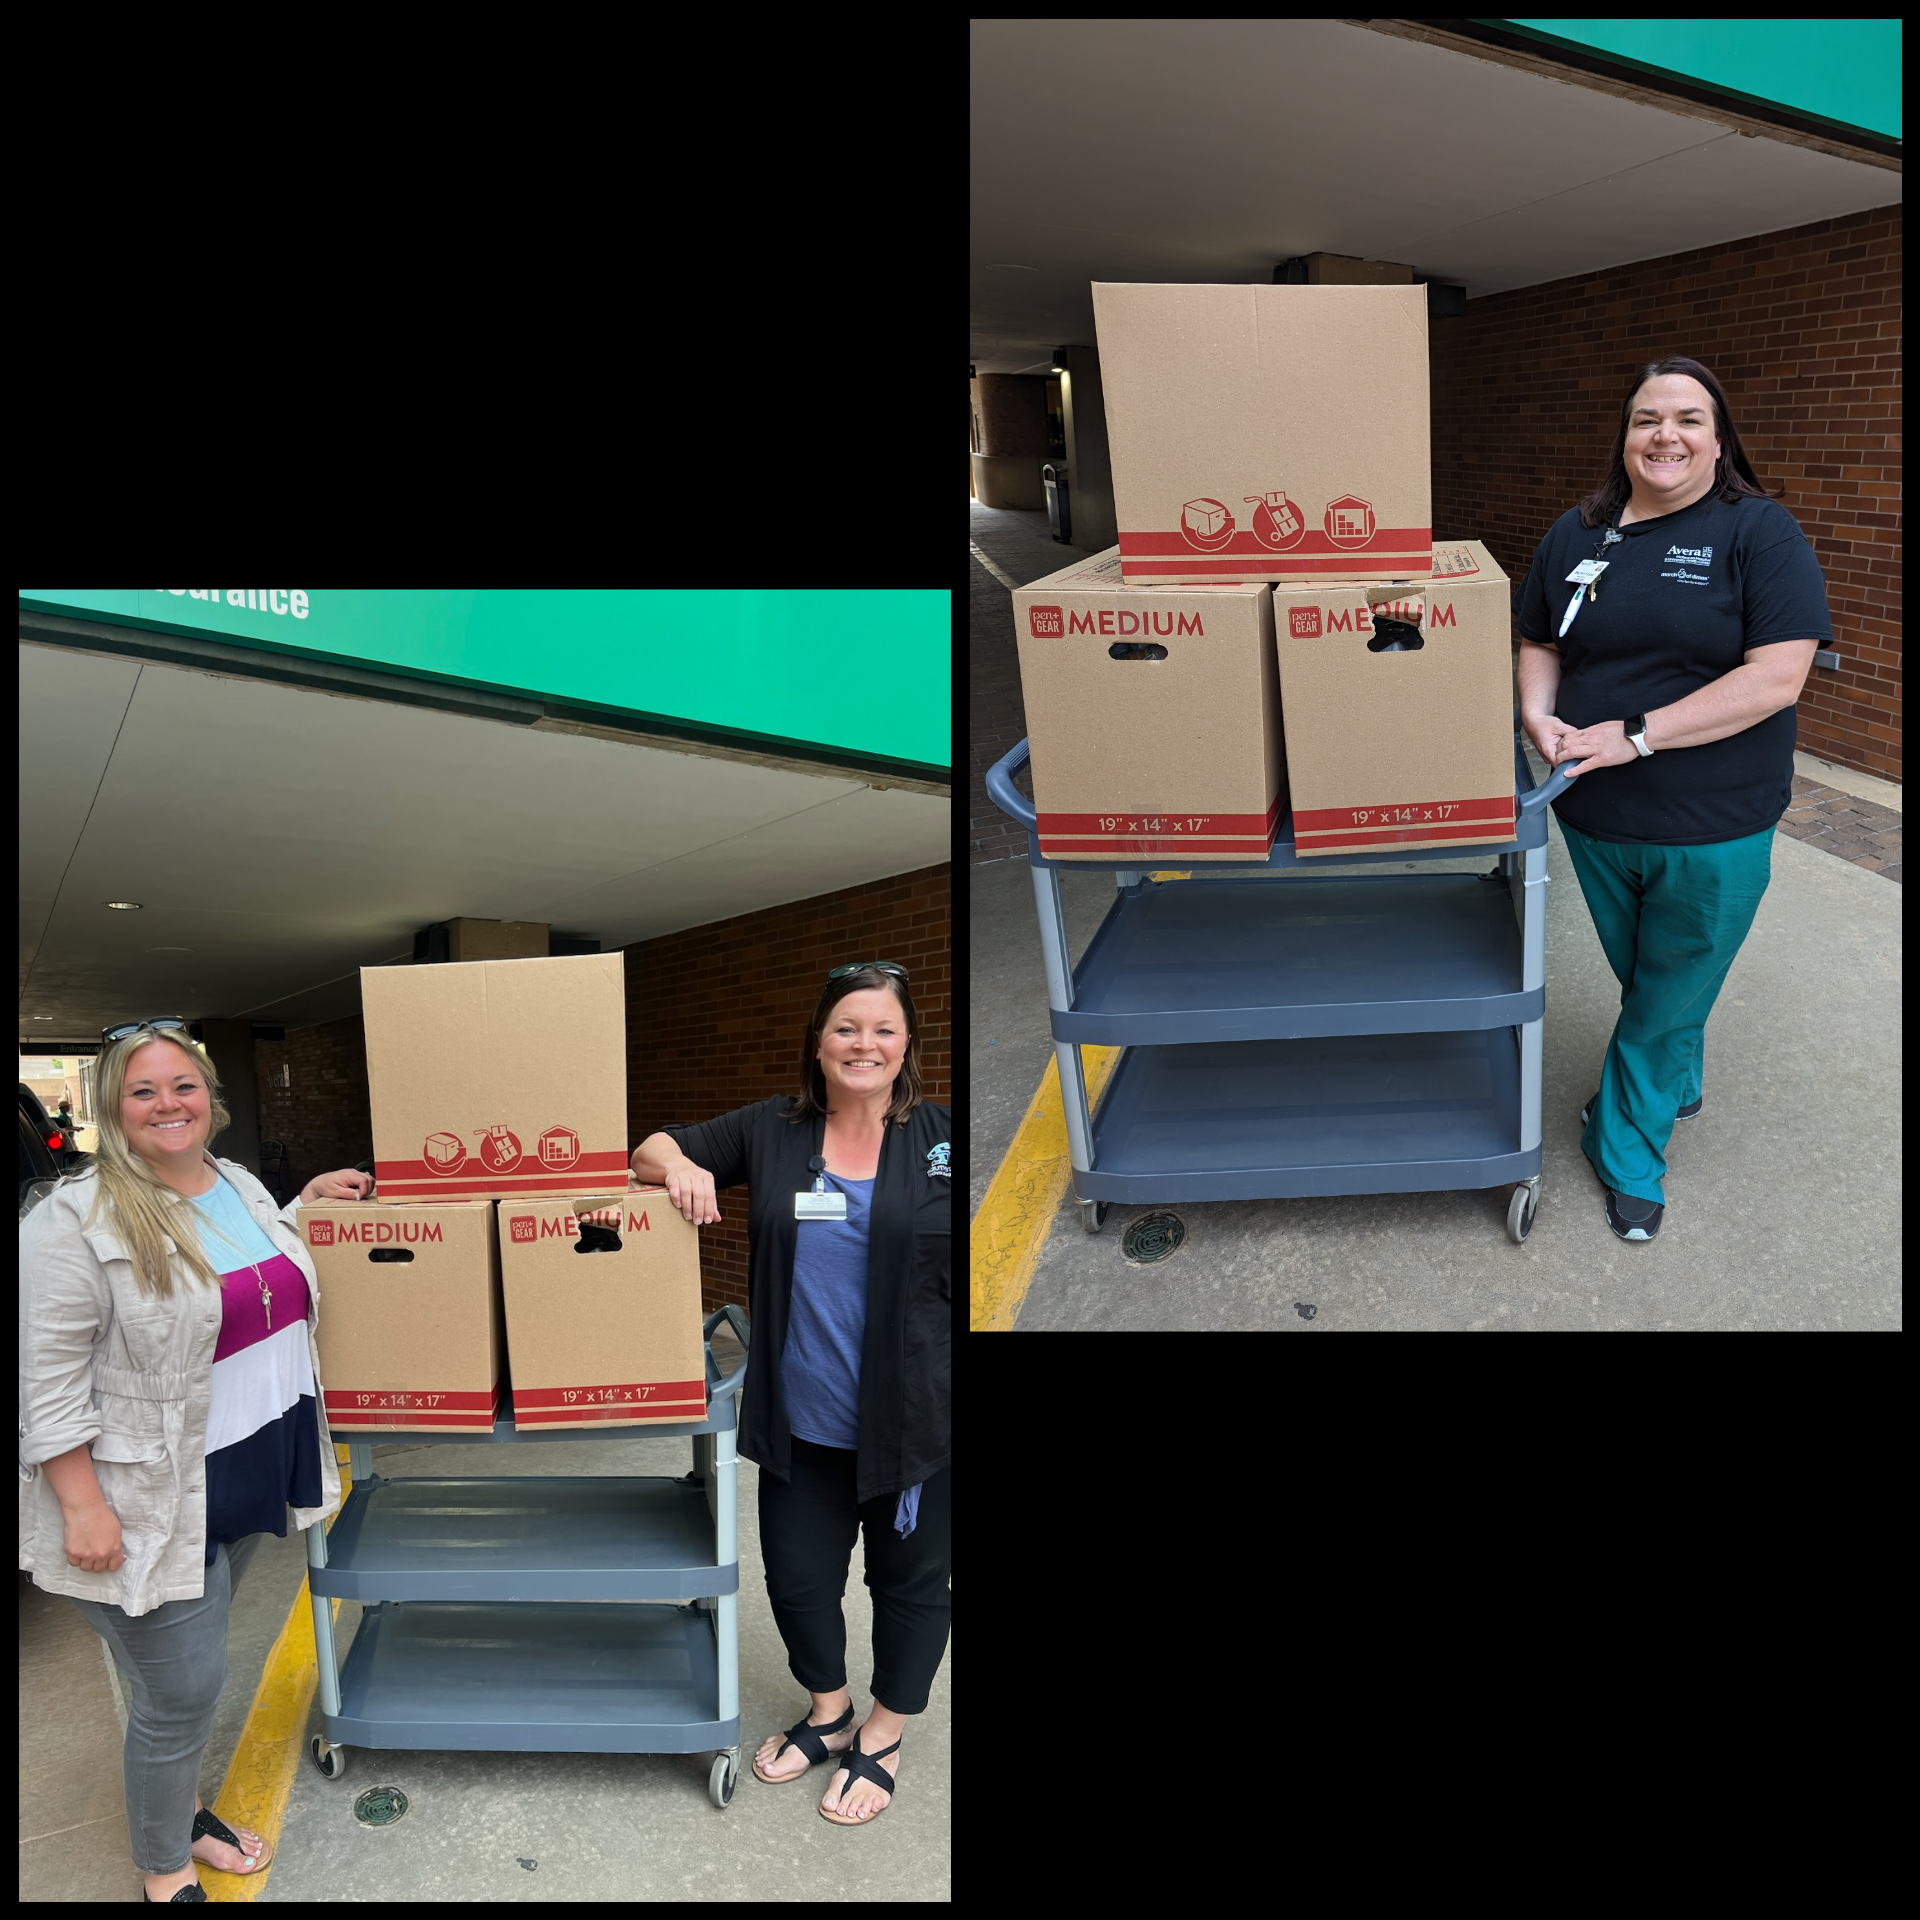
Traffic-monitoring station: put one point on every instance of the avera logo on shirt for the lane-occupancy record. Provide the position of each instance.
(937, 1159)
(1681, 562)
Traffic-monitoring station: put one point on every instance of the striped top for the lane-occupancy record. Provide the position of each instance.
(263, 1427)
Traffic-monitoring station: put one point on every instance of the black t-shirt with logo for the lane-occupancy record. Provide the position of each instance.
(1683, 598)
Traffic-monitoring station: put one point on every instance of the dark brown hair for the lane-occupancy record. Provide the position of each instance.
(906, 1085)
(1733, 475)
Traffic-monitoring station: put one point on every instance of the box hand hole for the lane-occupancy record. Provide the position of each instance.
(595, 1238)
(1136, 650)
(1394, 636)
(391, 1253)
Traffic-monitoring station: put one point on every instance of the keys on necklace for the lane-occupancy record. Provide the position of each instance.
(266, 1296)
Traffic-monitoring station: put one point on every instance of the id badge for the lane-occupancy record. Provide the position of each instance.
(1588, 571)
(820, 1206)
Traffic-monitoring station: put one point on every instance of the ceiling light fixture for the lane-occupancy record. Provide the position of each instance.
(124, 906)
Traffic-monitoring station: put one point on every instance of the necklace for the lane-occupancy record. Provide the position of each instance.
(266, 1294)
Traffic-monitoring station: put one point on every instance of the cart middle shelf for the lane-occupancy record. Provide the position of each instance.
(1257, 959)
(544, 1537)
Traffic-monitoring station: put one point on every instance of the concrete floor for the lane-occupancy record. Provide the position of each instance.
(1783, 1197)
(526, 1827)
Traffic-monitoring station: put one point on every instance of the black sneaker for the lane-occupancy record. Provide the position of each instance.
(1633, 1219)
(1685, 1113)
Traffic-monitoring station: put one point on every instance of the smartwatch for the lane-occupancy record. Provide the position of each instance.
(1636, 727)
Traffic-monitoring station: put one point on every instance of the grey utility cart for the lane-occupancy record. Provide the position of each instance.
(1302, 1032)
(482, 1632)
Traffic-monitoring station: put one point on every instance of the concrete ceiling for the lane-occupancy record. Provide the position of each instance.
(279, 839)
(1198, 150)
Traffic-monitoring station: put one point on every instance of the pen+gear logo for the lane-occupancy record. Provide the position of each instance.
(1205, 523)
(1303, 623)
(319, 1233)
(939, 1161)
(1046, 623)
(523, 1229)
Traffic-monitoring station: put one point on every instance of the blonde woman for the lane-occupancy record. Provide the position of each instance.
(170, 1414)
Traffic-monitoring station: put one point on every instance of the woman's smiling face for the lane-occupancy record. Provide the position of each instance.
(1671, 446)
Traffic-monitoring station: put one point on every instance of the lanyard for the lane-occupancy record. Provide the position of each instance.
(1587, 575)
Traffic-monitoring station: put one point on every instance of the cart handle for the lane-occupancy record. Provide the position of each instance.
(1013, 803)
(718, 1389)
(1003, 793)
(1555, 784)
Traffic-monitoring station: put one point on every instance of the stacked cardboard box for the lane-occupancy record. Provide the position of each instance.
(1271, 444)
(506, 1250)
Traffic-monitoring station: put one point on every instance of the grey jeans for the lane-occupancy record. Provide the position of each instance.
(174, 1661)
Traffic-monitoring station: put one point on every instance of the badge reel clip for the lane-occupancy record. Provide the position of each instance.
(819, 1204)
(1586, 577)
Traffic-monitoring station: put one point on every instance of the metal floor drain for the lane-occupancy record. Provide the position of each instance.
(380, 1806)
(1153, 1236)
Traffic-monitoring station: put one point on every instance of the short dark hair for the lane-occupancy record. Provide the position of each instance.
(906, 1086)
(1733, 474)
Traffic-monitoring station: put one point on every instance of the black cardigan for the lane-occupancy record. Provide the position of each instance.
(906, 1357)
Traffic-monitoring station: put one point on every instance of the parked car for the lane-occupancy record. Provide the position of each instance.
(46, 1152)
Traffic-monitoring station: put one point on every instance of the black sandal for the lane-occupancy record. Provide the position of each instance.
(807, 1739)
(193, 1890)
(208, 1825)
(864, 1766)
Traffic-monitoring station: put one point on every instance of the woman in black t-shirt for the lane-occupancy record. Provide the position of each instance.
(1667, 625)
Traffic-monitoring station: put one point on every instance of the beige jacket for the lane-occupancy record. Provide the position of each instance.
(106, 1366)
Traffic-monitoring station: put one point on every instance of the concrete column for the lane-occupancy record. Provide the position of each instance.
(1095, 527)
(1010, 439)
(229, 1045)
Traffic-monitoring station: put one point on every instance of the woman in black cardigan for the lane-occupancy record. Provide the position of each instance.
(845, 1402)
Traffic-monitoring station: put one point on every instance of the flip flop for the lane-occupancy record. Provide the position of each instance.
(807, 1739)
(208, 1824)
(864, 1766)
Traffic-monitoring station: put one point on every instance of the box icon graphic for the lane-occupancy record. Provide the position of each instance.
(1206, 524)
(443, 1152)
(501, 1149)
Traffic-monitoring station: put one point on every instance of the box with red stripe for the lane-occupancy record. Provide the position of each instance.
(1272, 433)
(603, 1311)
(1153, 717)
(1398, 705)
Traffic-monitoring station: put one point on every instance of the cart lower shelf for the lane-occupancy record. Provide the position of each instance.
(532, 1678)
(1286, 1119)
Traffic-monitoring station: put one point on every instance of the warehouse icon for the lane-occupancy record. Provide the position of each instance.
(1349, 521)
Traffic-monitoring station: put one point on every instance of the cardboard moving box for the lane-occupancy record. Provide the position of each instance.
(606, 1338)
(498, 1077)
(1153, 717)
(1267, 433)
(411, 1337)
(1398, 700)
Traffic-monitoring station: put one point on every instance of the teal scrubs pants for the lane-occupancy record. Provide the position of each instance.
(1670, 920)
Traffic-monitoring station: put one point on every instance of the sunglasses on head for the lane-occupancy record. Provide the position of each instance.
(110, 1034)
(870, 966)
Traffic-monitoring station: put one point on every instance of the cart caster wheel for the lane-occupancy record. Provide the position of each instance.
(721, 1780)
(1521, 1209)
(1094, 1215)
(331, 1760)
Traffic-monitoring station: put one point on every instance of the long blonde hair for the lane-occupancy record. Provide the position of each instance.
(154, 1224)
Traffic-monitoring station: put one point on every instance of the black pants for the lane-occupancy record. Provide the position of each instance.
(807, 1527)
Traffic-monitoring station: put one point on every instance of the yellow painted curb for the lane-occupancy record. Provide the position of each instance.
(259, 1779)
(1014, 1218)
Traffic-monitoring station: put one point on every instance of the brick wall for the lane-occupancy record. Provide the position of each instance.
(321, 1116)
(716, 1015)
(1802, 329)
